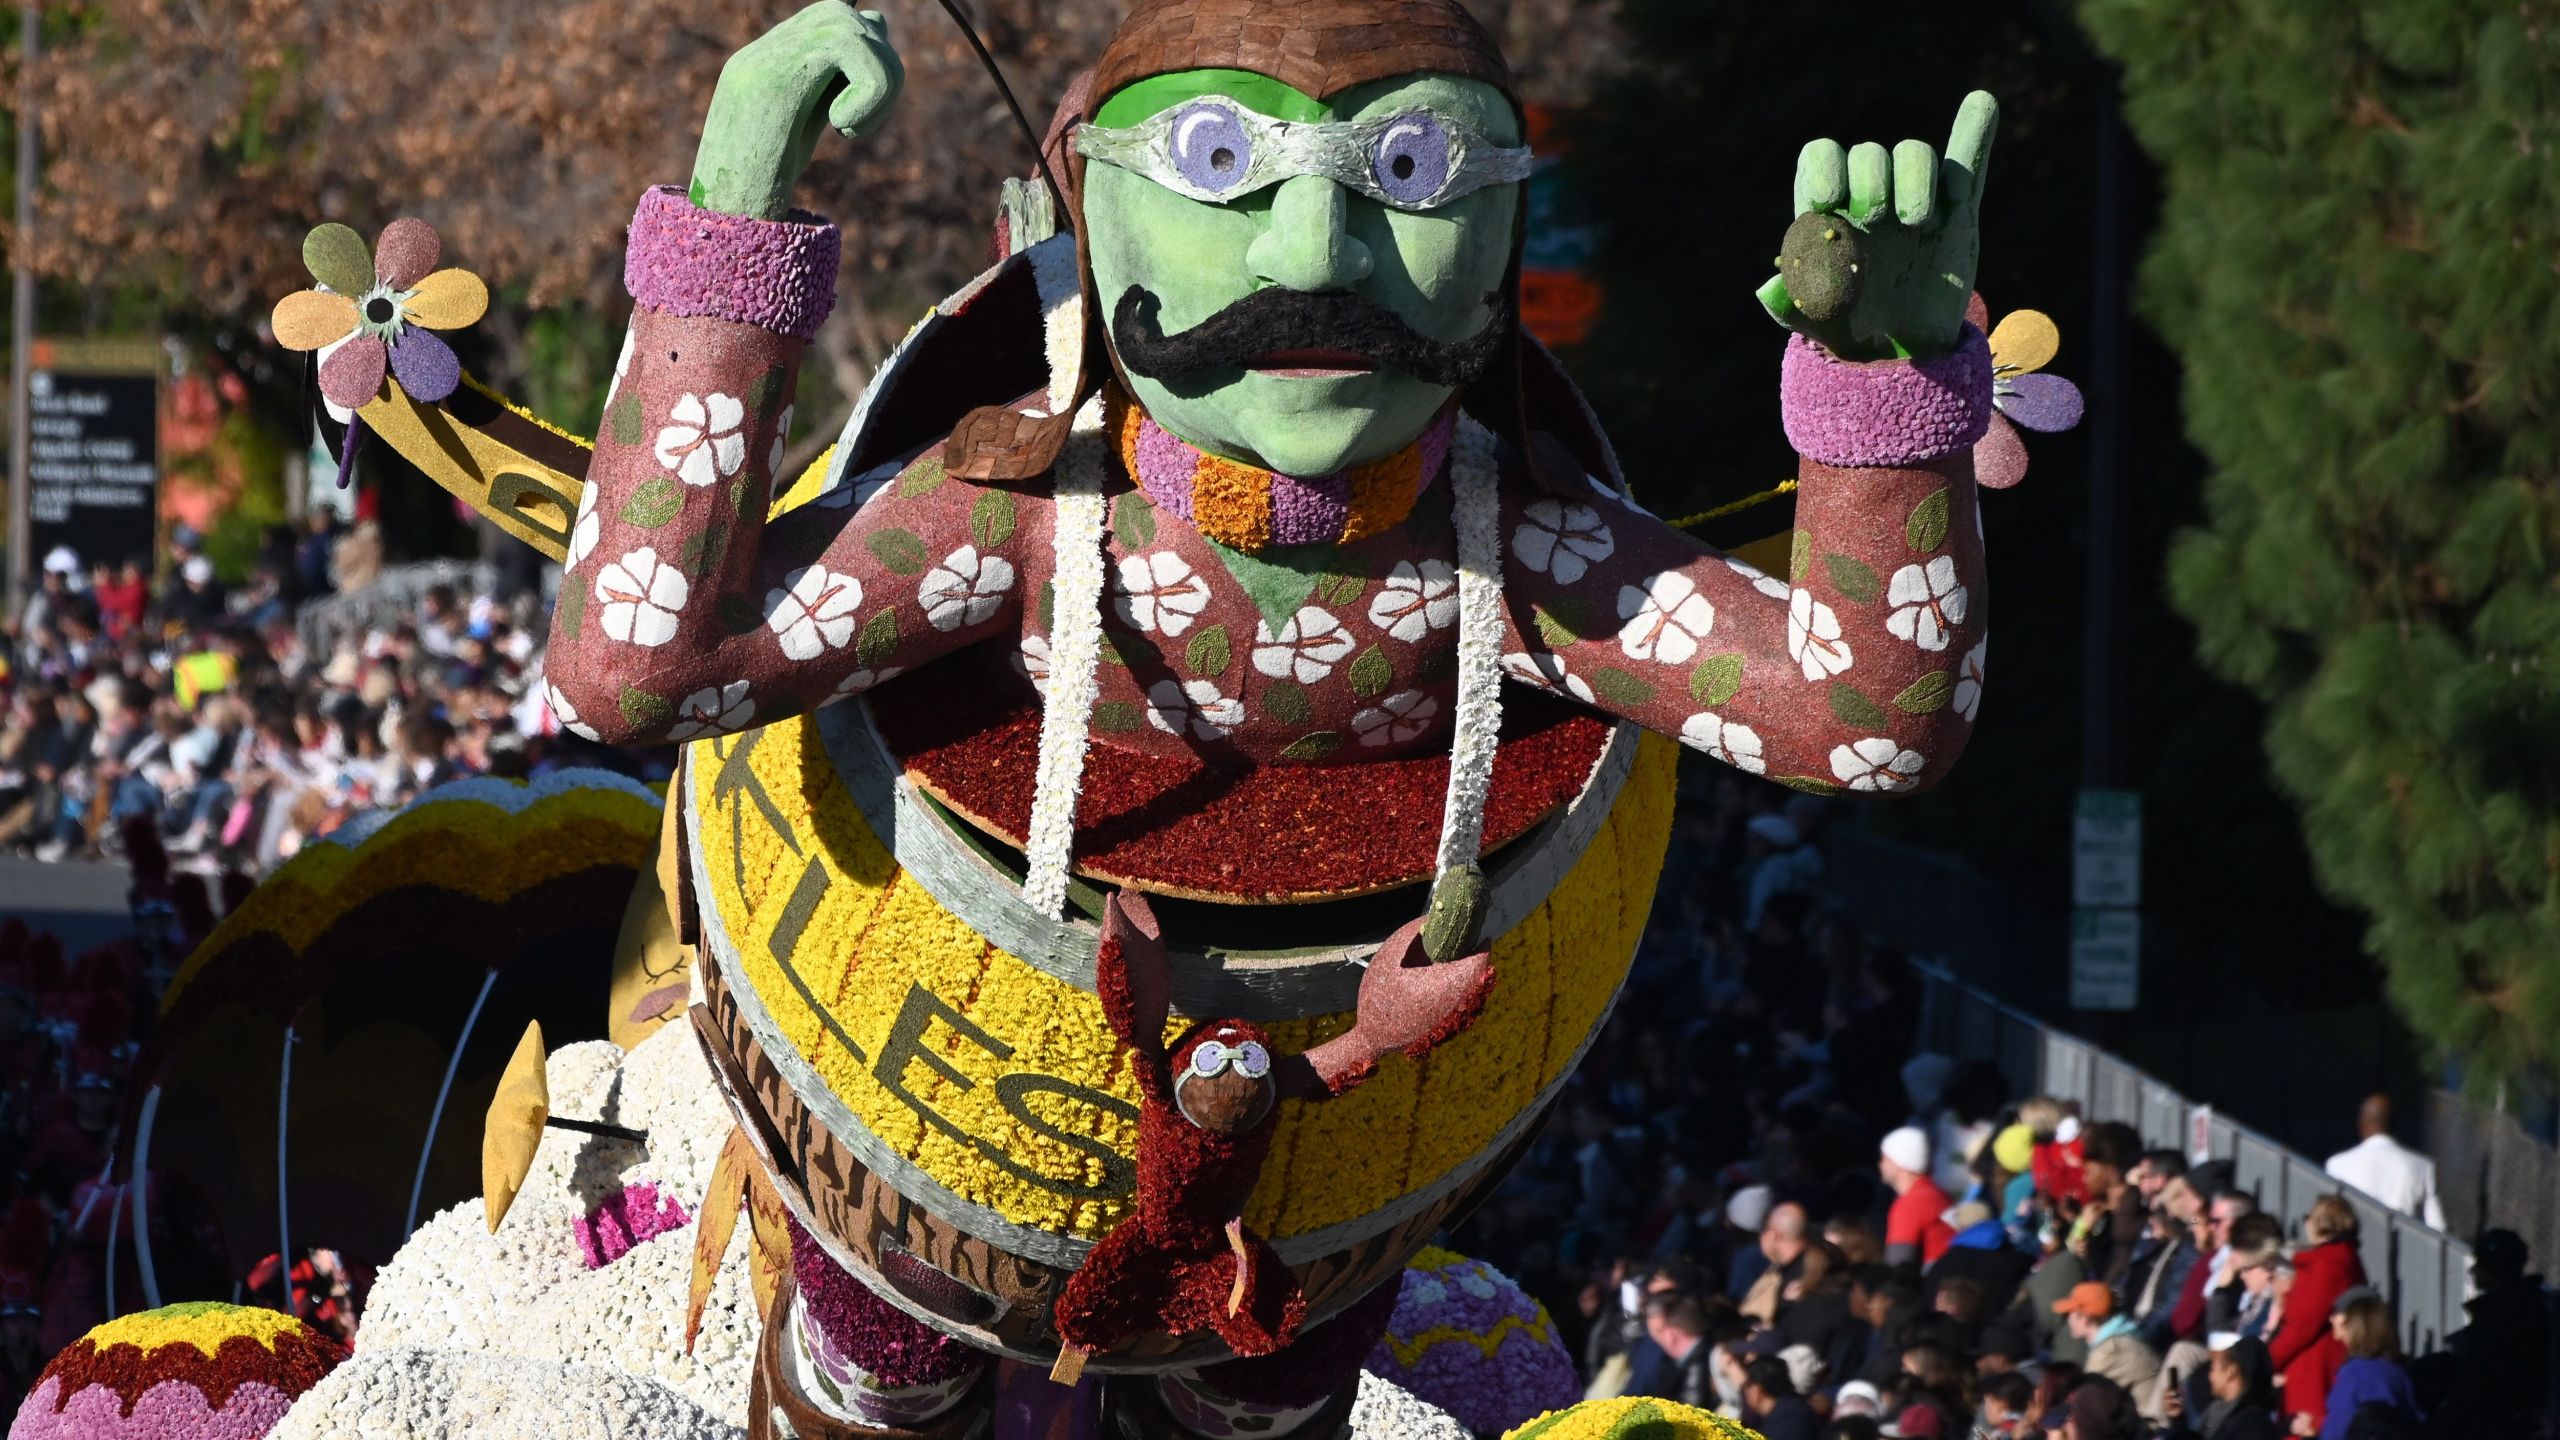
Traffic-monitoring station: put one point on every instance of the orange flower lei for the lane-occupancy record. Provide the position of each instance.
(1231, 502)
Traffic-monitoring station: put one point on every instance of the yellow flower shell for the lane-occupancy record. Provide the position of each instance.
(1632, 1418)
(205, 1326)
(877, 947)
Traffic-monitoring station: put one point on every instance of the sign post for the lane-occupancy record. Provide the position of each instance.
(93, 449)
(2106, 896)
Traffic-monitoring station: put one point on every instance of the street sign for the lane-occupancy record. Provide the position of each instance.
(2106, 849)
(93, 462)
(2106, 959)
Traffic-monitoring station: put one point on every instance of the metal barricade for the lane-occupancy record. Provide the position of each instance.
(2423, 1272)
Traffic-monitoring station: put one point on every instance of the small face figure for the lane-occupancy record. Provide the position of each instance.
(1222, 1079)
(1301, 283)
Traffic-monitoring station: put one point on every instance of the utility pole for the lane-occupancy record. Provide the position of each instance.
(22, 313)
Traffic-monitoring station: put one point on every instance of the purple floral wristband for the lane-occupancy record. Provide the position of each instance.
(1885, 412)
(684, 260)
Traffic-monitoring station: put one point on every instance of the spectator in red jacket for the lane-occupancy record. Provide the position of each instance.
(2306, 1354)
(1916, 1228)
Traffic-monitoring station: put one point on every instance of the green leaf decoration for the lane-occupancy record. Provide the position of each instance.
(991, 520)
(1800, 557)
(878, 640)
(1118, 716)
(1644, 1420)
(1929, 692)
(1575, 617)
(1809, 784)
(1717, 679)
(644, 711)
(1927, 528)
(1372, 673)
(1341, 586)
(1111, 652)
(922, 478)
(1855, 710)
(658, 500)
(1133, 519)
(1280, 578)
(573, 609)
(900, 550)
(1851, 577)
(1552, 630)
(1049, 606)
(703, 549)
(622, 422)
(1313, 747)
(1209, 653)
(1620, 688)
(766, 389)
(737, 614)
(1287, 703)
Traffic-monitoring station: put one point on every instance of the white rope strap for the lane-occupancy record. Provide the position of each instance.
(1075, 657)
(1475, 483)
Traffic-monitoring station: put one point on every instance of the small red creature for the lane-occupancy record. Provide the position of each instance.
(1183, 1260)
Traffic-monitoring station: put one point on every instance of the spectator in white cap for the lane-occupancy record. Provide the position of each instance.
(1745, 1211)
(1857, 1398)
(1915, 1229)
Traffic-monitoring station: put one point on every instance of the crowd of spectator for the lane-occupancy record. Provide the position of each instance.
(1757, 1198)
(197, 707)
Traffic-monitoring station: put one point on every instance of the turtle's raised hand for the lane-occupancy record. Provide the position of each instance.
(1881, 258)
(830, 66)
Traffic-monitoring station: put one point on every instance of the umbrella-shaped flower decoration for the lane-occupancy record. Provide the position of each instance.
(2023, 344)
(374, 312)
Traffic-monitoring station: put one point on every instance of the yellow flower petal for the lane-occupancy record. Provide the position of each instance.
(309, 319)
(447, 300)
(2026, 340)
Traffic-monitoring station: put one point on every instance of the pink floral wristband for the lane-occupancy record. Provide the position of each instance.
(1885, 412)
(684, 260)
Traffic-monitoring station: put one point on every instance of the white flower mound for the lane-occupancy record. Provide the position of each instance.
(493, 1336)
(1387, 1411)
(445, 1395)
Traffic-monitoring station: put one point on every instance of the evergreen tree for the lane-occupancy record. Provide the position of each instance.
(2356, 263)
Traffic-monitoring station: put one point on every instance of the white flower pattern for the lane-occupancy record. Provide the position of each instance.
(1306, 649)
(967, 588)
(589, 529)
(566, 713)
(861, 680)
(1930, 601)
(1398, 718)
(1732, 742)
(813, 612)
(1158, 592)
(1196, 709)
(1813, 637)
(1031, 662)
(1416, 600)
(720, 710)
(1968, 696)
(642, 598)
(1545, 670)
(781, 442)
(702, 443)
(1761, 580)
(1665, 619)
(1563, 540)
(1876, 763)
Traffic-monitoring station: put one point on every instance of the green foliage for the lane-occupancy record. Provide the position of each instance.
(2354, 261)
(233, 541)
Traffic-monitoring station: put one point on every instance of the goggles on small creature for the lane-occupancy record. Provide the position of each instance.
(1215, 150)
(1249, 1059)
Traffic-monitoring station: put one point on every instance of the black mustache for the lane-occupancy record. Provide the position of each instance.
(1271, 321)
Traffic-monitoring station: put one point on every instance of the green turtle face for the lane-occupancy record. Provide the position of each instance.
(1302, 284)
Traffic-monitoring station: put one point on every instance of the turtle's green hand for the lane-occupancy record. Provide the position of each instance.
(828, 67)
(1898, 283)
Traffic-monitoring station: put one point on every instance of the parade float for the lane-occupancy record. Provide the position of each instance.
(1166, 801)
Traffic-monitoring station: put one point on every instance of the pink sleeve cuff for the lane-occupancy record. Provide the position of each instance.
(779, 275)
(1885, 412)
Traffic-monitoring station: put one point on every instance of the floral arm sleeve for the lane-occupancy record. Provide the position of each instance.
(1862, 671)
(682, 612)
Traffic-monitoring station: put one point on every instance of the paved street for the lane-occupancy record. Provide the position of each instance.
(81, 901)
